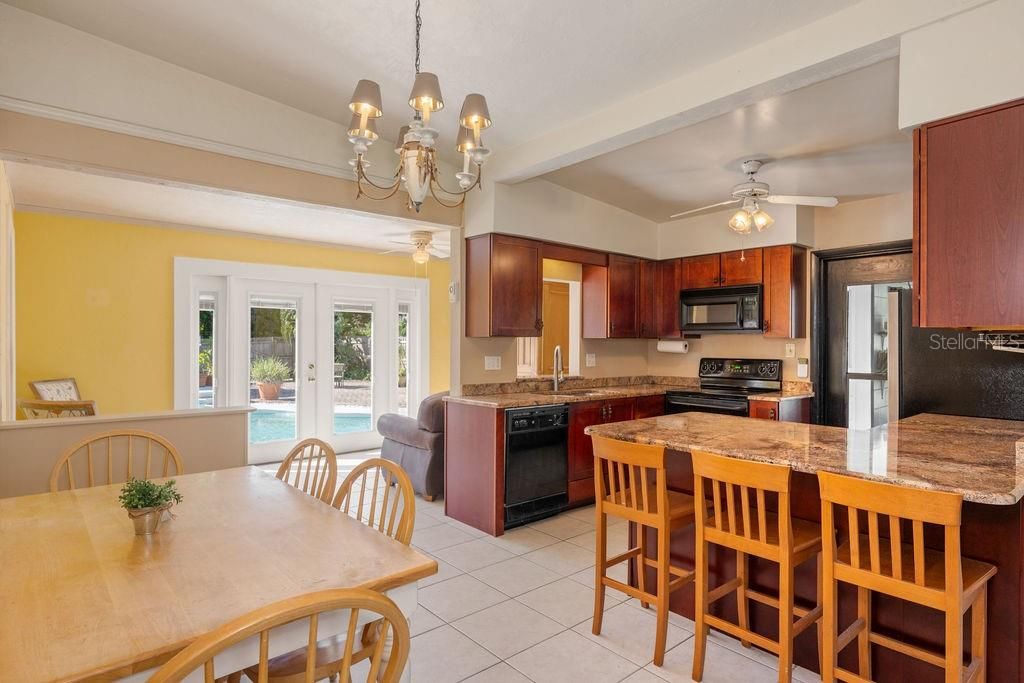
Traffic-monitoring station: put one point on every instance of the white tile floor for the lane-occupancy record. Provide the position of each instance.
(518, 608)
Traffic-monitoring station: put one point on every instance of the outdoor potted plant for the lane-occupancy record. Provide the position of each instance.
(146, 501)
(205, 366)
(269, 373)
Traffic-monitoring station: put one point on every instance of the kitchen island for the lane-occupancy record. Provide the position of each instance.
(981, 459)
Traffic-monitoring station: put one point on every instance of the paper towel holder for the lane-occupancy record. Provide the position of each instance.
(673, 346)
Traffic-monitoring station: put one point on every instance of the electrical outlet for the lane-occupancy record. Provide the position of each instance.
(790, 350)
(492, 362)
(802, 368)
(591, 360)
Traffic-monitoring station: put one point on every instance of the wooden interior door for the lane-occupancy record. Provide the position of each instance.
(556, 327)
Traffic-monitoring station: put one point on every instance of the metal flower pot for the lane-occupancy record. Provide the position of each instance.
(147, 520)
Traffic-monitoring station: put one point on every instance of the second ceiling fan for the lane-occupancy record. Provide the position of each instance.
(750, 193)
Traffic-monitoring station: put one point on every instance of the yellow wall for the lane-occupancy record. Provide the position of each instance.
(95, 301)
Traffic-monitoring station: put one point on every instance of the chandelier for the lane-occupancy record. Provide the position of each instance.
(416, 144)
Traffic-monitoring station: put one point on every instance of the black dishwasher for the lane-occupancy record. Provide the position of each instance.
(536, 463)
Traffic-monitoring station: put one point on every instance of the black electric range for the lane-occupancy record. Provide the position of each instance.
(726, 385)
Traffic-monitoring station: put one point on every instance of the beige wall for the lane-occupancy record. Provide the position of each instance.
(868, 221)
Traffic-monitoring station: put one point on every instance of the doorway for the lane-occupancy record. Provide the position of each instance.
(851, 330)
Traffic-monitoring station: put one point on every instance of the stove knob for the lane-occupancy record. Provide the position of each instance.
(705, 368)
(763, 369)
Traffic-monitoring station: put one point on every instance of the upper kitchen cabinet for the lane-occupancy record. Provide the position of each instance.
(743, 267)
(611, 297)
(648, 301)
(700, 272)
(969, 220)
(666, 298)
(504, 284)
(785, 291)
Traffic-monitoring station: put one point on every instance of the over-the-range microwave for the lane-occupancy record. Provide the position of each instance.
(721, 309)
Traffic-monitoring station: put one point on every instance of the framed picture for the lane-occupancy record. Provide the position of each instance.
(56, 389)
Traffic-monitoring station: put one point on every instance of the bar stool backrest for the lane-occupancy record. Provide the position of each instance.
(884, 557)
(623, 475)
(742, 495)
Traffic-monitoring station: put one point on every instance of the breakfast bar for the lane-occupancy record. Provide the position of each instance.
(981, 459)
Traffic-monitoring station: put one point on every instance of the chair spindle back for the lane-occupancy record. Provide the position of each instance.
(311, 467)
(118, 456)
(366, 494)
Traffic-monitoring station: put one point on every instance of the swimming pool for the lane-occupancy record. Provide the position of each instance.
(278, 425)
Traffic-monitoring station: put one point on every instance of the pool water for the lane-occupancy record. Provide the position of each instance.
(279, 425)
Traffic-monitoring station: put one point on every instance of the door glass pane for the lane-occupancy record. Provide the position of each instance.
(272, 369)
(868, 403)
(353, 367)
(207, 367)
(402, 403)
(867, 328)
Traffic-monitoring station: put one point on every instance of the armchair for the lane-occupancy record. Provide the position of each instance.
(417, 445)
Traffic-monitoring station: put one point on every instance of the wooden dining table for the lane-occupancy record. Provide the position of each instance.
(82, 598)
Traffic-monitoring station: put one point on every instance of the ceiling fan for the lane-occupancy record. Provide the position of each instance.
(749, 194)
(422, 240)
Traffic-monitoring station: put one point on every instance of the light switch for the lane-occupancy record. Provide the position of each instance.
(790, 350)
(492, 362)
(591, 360)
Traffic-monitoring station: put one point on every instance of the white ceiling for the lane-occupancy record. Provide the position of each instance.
(539, 62)
(836, 138)
(42, 187)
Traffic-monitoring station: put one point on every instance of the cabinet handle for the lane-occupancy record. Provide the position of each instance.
(721, 280)
(767, 325)
(539, 325)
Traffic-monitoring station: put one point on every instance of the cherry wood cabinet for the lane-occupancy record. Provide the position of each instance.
(969, 220)
(666, 306)
(743, 267)
(581, 447)
(700, 272)
(792, 410)
(649, 406)
(504, 283)
(611, 298)
(648, 300)
(785, 292)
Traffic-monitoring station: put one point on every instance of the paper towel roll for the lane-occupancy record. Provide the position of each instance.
(673, 345)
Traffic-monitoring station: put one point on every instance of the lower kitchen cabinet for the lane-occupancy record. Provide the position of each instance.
(792, 410)
(581, 447)
(649, 406)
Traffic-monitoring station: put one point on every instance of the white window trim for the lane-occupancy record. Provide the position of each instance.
(193, 275)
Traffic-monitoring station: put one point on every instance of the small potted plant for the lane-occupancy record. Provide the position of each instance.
(269, 373)
(205, 366)
(146, 501)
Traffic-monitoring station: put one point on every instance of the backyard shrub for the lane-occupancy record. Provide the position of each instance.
(269, 370)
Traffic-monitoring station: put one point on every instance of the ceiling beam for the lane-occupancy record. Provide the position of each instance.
(855, 37)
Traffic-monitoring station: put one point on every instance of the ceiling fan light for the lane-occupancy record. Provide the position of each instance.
(762, 220)
(426, 93)
(421, 256)
(474, 112)
(741, 222)
(366, 99)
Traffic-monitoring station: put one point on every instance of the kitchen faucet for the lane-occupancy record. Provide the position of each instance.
(558, 366)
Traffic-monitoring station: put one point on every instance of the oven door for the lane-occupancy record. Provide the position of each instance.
(721, 405)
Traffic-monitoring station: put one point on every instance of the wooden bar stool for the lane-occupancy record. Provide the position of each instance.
(942, 580)
(630, 482)
(746, 525)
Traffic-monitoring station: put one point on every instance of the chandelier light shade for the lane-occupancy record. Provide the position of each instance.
(741, 222)
(475, 115)
(417, 168)
(420, 256)
(366, 100)
(426, 94)
(360, 128)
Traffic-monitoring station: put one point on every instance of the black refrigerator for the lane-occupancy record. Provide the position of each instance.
(952, 372)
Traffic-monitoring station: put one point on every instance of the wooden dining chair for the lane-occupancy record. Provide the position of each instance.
(385, 667)
(366, 494)
(941, 580)
(45, 410)
(114, 454)
(741, 519)
(311, 467)
(630, 482)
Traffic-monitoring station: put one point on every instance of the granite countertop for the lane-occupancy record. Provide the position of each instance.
(542, 398)
(982, 459)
